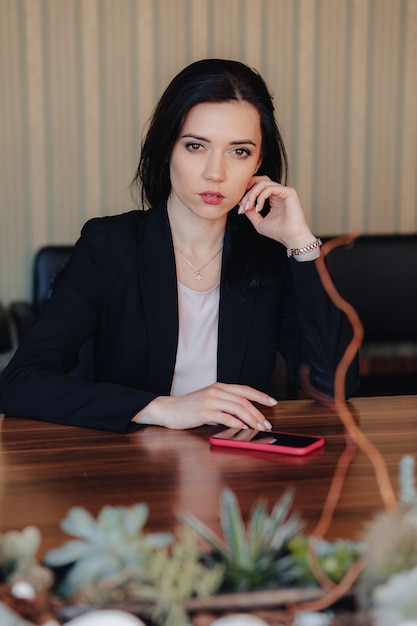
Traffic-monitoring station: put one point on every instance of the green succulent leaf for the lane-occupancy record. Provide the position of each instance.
(234, 529)
(87, 571)
(130, 521)
(257, 530)
(334, 558)
(204, 532)
(15, 545)
(70, 552)
(255, 555)
(108, 545)
(80, 523)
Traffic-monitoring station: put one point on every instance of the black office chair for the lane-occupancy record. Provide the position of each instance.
(48, 262)
(6, 338)
(377, 274)
(6, 342)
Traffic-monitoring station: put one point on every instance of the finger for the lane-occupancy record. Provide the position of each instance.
(253, 188)
(272, 191)
(246, 413)
(255, 218)
(250, 393)
(256, 197)
(230, 421)
(235, 422)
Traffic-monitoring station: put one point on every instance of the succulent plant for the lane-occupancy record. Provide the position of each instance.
(166, 578)
(406, 479)
(395, 601)
(253, 556)
(18, 562)
(334, 558)
(18, 549)
(391, 535)
(176, 574)
(105, 546)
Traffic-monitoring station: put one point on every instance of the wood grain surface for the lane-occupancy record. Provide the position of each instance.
(45, 469)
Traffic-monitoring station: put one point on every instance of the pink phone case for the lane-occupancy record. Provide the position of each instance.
(268, 441)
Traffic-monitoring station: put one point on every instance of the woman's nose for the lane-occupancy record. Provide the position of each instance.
(215, 168)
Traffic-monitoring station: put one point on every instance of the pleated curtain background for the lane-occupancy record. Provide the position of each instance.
(79, 79)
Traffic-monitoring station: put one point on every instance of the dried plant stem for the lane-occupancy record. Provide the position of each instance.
(354, 435)
(336, 488)
(342, 409)
(381, 472)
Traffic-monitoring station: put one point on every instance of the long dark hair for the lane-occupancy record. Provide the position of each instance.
(249, 260)
(208, 80)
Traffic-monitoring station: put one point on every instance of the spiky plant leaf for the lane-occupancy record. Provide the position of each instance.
(256, 530)
(234, 529)
(253, 556)
(204, 532)
(408, 493)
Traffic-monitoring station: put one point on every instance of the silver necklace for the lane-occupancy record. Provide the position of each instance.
(198, 270)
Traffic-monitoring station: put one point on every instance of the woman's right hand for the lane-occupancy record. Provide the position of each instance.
(220, 403)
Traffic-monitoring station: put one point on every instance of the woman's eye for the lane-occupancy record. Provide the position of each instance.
(193, 146)
(242, 152)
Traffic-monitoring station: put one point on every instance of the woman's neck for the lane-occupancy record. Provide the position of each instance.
(195, 236)
(197, 245)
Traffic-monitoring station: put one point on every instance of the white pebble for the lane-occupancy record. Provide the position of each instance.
(23, 590)
(312, 618)
(106, 618)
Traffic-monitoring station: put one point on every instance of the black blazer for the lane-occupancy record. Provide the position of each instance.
(120, 287)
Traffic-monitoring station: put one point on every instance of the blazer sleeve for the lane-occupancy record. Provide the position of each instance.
(36, 383)
(314, 333)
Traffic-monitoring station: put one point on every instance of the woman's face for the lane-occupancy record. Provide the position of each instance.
(214, 158)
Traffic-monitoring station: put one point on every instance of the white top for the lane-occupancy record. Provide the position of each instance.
(196, 364)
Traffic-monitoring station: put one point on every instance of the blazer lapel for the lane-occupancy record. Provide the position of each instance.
(235, 315)
(160, 299)
(234, 322)
(158, 282)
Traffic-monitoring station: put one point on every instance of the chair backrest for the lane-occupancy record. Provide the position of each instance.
(49, 261)
(6, 343)
(377, 274)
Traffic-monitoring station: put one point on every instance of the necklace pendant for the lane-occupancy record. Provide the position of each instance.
(198, 276)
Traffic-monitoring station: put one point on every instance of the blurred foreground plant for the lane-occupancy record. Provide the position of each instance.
(105, 546)
(161, 583)
(333, 558)
(392, 535)
(255, 556)
(18, 561)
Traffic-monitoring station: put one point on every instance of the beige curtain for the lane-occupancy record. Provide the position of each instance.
(79, 79)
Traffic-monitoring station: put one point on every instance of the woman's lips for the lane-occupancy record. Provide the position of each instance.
(211, 197)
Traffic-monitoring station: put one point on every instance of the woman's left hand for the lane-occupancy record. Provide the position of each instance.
(285, 221)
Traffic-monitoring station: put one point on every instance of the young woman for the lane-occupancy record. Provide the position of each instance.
(188, 302)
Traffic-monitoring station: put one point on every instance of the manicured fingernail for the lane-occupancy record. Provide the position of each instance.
(272, 401)
(268, 425)
(260, 426)
(240, 210)
(246, 206)
(256, 208)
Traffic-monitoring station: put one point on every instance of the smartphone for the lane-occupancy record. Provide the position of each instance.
(267, 441)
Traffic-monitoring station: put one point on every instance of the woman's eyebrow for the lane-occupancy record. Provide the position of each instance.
(231, 143)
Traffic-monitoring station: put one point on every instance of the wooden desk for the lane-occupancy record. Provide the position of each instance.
(45, 469)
